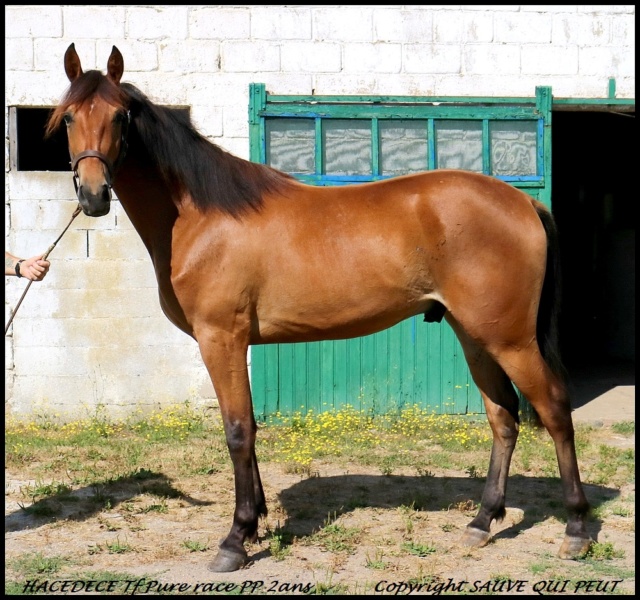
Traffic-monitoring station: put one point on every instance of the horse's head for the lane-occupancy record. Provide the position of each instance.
(97, 119)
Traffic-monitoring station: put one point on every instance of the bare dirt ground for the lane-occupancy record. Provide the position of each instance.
(382, 526)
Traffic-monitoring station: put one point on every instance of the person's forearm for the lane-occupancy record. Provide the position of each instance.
(10, 262)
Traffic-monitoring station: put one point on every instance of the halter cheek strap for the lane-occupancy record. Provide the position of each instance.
(111, 168)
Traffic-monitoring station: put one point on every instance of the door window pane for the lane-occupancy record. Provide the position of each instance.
(459, 145)
(346, 144)
(403, 146)
(513, 147)
(291, 145)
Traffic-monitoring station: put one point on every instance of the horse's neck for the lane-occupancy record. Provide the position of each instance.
(150, 208)
(153, 214)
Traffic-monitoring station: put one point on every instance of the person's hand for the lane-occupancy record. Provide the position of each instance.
(34, 268)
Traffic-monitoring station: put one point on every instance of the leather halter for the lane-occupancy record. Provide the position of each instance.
(111, 167)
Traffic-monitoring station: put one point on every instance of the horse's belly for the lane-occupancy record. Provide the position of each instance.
(335, 321)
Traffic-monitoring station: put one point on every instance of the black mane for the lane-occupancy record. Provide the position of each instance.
(192, 164)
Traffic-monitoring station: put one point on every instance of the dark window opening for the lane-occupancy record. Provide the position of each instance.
(30, 151)
(596, 215)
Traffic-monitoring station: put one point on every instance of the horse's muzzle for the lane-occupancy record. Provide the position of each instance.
(95, 204)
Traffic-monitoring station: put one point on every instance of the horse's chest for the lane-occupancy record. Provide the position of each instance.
(170, 302)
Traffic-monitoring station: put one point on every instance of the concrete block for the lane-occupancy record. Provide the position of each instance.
(158, 22)
(372, 58)
(522, 28)
(311, 57)
(220, 23)
(491, 59)
(41, 185)
(343, 24)
(448, 27)
(95, 22)
(432, 58)
(32, 21)
(623, 31)
(598, 60)
(404, 26)
(478, 27)
(546, 59)
(18, 54)
(116, 245)
(249, 57)
(198, 56)
(281, 23)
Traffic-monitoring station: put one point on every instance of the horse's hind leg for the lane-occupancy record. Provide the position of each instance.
(501, 403)
(548, 396)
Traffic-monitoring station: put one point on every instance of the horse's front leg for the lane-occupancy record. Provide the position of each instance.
(225, 356)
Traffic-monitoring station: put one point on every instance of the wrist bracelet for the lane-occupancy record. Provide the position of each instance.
(18, 268)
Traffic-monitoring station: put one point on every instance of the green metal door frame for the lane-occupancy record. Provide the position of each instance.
(264, 106)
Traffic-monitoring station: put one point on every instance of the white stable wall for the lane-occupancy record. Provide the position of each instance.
(92, 333)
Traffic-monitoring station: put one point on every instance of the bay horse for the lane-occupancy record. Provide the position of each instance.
(245, 254)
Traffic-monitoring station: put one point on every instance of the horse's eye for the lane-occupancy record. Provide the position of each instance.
(67, 119)
(119, 118)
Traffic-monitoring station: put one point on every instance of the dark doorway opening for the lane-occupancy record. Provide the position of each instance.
(594, 205)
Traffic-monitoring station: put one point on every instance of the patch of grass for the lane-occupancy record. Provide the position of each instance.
(377, 562)
(160, 507)
(624, 427)
(603, 551)
(541, 567)
(472, 472)
(336, 538)
(280, 541)
(195, 545)
(613, 465)
(622, 511)
(33, 564)
(118, 547)
(421, 550)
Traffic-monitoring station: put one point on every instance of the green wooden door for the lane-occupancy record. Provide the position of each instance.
(399, 367)
(344, 140)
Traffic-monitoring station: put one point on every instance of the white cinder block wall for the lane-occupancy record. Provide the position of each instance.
(92, 333)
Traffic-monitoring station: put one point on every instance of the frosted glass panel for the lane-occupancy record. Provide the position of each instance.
(513, 147)
(459, 145)
(403, 146)
(291, 144)
(347, 146)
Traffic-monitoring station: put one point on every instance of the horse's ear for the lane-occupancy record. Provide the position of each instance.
(115, 66)
(72, 66)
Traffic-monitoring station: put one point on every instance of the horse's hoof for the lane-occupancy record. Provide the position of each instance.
(476, 538)
(574, 547)
(227, 561)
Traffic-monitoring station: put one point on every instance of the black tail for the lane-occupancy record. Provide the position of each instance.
(549, 311)
(547, 330)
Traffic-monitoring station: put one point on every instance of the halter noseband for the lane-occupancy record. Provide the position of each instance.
(111, 167)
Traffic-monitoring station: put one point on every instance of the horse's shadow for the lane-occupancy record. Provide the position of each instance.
(313, 503)
(85, 502)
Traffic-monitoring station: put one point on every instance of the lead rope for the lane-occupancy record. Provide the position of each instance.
(76, 212)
